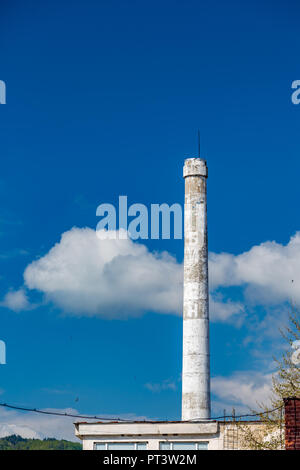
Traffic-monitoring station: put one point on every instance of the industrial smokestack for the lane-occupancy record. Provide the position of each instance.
(196, 366)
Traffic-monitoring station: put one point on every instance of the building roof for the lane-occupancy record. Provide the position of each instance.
(170, 422)
(145, 421)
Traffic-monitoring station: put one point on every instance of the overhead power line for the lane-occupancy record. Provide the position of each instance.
(246, 415)
(57, 413)
(101, 418)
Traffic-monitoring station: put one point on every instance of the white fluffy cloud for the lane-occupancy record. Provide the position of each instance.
(16, 300)
(85, 275)
(270, 272)
(242, 390)
(39, 426)
(224, 311)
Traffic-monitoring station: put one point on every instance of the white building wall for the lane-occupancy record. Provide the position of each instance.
(220, 436)
(152, 433)
(153, 442)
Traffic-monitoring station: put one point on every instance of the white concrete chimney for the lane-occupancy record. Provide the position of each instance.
(196, 363)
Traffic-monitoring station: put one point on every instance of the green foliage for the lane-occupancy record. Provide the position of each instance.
(15, 442)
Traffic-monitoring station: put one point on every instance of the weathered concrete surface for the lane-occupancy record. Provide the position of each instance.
(150, 428)
(196, 362)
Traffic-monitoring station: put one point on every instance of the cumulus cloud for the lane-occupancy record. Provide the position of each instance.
(224, 311)
(16, 300)
(39, 426)
(242, 390)
(268, 272)
(86, 275)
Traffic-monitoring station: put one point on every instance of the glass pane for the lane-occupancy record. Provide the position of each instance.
(120, 445)
(184, 445)
(99, 446)
(202, 445)
(141, 446)
(164, 445)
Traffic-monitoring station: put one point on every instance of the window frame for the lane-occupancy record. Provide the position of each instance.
(183, 442)
(106, 443)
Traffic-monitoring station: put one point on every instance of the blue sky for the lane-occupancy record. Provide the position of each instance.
(104, 98)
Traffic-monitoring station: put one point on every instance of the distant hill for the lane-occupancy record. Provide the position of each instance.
(19, 443)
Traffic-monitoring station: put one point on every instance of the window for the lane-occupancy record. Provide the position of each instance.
(165, 445)
(184, 445)
(120, 445)
(175, 445)
(141, 446)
